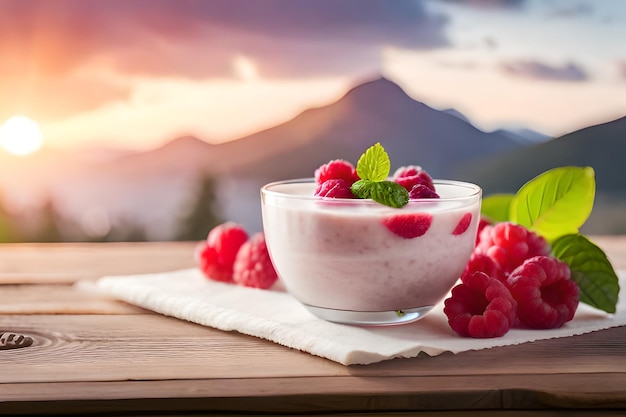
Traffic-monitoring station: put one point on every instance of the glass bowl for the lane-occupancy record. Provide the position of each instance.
(356, 261)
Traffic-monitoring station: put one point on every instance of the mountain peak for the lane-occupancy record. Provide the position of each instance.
(380, 81)
(373, 93)
(184, 144)
(377, 86)
(187, 140)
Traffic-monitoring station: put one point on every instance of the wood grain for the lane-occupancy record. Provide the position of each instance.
(150, 346)
(60, 299)
(92, 354)
(63, 263)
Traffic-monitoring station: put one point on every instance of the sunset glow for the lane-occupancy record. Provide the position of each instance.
(120, 73)
(20, 136)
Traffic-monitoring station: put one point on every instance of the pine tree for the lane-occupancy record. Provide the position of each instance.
(49, 220)
(8, 231)
(203, 214)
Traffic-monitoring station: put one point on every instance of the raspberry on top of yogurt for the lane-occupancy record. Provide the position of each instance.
(370, 179)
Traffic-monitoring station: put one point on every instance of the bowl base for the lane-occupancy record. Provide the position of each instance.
(370, 318)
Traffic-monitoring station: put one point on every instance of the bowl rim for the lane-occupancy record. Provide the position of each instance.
(476, 191)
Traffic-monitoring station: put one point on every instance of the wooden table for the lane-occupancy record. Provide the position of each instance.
(93, 355)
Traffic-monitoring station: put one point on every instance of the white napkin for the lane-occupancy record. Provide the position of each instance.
(278, 317)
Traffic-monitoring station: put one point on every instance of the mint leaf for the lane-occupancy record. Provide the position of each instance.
(374, 164)
(556, 202)
(591, 270)
(373, 169)
(388, 193)
(362, 188)
(497, 207)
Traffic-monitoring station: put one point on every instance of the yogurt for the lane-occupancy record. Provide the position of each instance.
(338, 254)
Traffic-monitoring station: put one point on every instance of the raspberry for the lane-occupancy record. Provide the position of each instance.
(409, 176)
(422, 191)
(510, 244)
(253, 266)
(482, 223)
(463, 224)
(479, 262)
(546, 296)
(481, 307)
(335, 188)
(216, 255)
(336, 169)
(409, 226)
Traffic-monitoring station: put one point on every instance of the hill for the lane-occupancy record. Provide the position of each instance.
(151, 189)
(376, 111)
(602, 147)
(379, 110)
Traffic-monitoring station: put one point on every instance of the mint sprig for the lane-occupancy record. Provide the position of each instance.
(555, 205)
(374, 165)
(373, 168)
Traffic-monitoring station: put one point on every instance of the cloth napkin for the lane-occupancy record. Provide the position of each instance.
(276, 316)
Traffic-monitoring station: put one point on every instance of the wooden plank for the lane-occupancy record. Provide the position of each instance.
(152, 347)
(53, 263)
(106, 347)
(129, 360)
(60, 299)
(289, 395)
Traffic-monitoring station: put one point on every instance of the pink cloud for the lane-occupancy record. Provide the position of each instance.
(198, 39)
(43, 43)
(542, 71)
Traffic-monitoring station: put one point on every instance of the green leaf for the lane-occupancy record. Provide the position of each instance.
(362, 188)
(388, 193)
(591, 270)
(556, 202)
(497, 207)
(374, 164)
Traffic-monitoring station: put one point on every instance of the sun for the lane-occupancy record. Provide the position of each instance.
(20, 136)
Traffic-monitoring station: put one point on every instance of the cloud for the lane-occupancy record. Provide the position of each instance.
(43, 44)
(499, 4)
(541, 71)
(621, 69)
(45, 97)
(571, 10)
(201, 38)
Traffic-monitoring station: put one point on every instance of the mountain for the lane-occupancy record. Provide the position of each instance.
(379, 110)
(376, 111)
(524, 136)
(457, 114)
(151, 189)
(601, 146)
(184, 156)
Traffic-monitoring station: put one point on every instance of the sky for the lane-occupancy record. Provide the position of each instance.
(138, 73)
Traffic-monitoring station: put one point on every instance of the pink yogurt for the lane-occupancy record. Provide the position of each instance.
(338, 254)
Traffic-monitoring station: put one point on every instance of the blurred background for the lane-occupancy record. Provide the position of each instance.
(132, 120)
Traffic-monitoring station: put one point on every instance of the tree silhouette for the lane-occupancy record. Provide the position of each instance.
(49, 229)
(126, 230)
(8, 232)
(203, 213)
